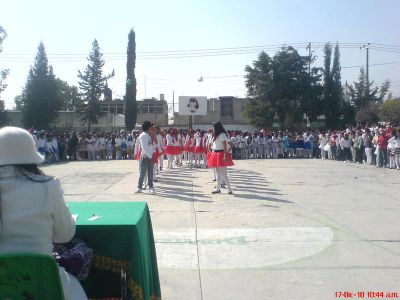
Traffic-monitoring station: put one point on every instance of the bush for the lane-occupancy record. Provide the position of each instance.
(368, 114)
(389, 111)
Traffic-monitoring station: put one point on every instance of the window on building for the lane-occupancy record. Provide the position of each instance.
(160, 109)
(226, 108)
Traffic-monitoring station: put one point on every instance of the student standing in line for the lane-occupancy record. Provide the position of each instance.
(219, 157)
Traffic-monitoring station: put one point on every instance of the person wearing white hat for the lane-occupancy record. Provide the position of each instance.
(33, 213)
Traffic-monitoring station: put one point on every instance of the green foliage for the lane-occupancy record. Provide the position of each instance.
(333, 93)
(91, 84)
(363, 94)
(3, 116)
(70, 97)
(130, 94)
(368, 114)
(40, 99)
(389, 111)
(282, 87)
(3, 72)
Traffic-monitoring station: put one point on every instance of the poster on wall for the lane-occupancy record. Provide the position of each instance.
(192, 105)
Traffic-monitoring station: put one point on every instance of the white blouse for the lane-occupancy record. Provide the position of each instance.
(218, 142)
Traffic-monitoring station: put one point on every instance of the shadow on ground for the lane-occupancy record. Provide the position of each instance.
(254, 186)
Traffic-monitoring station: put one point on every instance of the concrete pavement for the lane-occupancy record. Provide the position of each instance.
(294, 229)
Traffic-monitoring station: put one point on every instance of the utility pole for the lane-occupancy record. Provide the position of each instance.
(309, 57)
(366, 47)
(173, 106)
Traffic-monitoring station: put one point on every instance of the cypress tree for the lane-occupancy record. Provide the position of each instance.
(328, 89)
(130, 95)
(337, 90)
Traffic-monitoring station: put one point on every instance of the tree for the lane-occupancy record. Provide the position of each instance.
(91, 83)
(40, 99)
(70, 97)
(3, 115)
(389, 111)
(361, 96)
(3, 72)
(130, 94)
(259, 83)
(368, 114)
(332, 87)
(284, 88)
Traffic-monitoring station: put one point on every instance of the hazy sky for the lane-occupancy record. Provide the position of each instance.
(68, 28)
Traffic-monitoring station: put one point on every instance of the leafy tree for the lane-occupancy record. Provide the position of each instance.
(40, 99)
(130, 94)
(368, 114)
(3, 72)
(91, 84)
(259, 83)
(389, 110)
(70, 97)
(282, 87)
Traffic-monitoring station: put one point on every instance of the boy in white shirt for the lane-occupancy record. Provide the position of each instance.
(146, 158)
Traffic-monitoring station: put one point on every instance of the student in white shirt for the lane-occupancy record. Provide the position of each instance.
(170, 148)
(220, 158)
(146, 158)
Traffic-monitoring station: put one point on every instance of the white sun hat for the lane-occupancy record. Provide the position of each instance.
(17, 147)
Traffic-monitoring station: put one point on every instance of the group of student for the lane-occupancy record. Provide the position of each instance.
(196, 148)
(377, 145)
(85, 146)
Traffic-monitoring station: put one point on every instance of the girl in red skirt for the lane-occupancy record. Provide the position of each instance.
(170, 148)
(220, 158)
(200, 148)
(179, 147)
(189, 147)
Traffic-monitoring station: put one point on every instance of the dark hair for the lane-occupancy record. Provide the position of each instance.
(218, 129)
(146, 125)
(30, 170)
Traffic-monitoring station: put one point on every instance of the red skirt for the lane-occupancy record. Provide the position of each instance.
(188, 149)
(137, 155)
(171, 150)
(216, 159)
(156, 155)
(200, 150)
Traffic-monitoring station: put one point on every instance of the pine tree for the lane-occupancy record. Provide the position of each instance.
(91, 83)
(40, 99)
(130, 95)
(361, 96)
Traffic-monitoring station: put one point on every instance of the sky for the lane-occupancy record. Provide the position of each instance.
(166, 29)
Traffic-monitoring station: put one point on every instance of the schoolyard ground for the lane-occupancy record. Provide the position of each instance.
(294, 229)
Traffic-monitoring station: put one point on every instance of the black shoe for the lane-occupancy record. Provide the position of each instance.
(214, 179)
(216, 192)
(230, 193)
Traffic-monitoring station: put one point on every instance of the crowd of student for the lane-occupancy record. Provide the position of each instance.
(379, 146)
